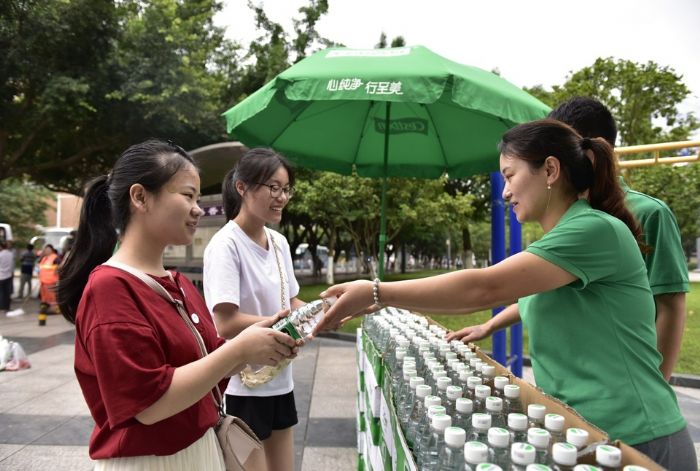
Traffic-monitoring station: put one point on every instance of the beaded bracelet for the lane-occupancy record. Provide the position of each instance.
(375, 292)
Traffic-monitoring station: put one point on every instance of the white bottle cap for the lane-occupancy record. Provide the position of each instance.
(538, 437)
(451, 363)
(423, 390)
(488, 370)
(511, 391)
(473, 381)
(586, 467)
(439, 373)
(454, 392)
(432, 410)
(554, 422)
(473, 362)
(517, 421)
(403, 342)
(434, 365)
(464, 405)
(522, 453)
(465, 374)
(409, 359)
(482, 391)
(459, 367)
(500, 382)
(481, 421)
(400, 353)
(408, 373)
(494, 404)
(455, 437)
(488, 467)
(443, 382)
(499, 437)
(538, 467)
(450, 356)
(431, 401)
(441, 421)
(634, 467)
(564, 454)
(609, 456)
(536, 411)
(415, 381)
(475, 452)
(578, 437)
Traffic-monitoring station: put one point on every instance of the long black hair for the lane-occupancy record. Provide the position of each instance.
(537, 140)
(106, 211)
(255, 167)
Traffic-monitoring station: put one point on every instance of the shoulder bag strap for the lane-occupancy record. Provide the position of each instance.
(276, 249)
(179, 306)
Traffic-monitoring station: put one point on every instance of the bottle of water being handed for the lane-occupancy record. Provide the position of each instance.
(301, 322)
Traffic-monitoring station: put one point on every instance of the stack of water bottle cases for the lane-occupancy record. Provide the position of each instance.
(429, 405)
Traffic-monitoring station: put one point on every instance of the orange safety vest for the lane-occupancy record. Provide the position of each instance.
(48, 269)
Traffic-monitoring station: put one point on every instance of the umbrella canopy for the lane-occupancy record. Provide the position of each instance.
(403, 112)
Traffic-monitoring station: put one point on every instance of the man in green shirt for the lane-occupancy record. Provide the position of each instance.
(665, 262)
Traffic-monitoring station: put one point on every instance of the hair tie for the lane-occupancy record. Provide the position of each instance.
(109, 179)
(585, 143)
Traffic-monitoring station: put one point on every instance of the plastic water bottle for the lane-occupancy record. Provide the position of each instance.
(403, 388)
(453, 393)
(499, 447)
(407, 407)
(472, 383)
(300, 323)
(429, 455)
(423, 431)
(481, 392)
(488, 373)
(499, 383)
(475, 453)
(451, 457)
(521, 455)
(535, 415)
(463, 414)
(442, 383)
(511, 399)
(608, 458)
(577, 437)
(586, 467)
(538, 467)
(634, 467)
(554, 424)
(481, 423)
(417, 413)
(539, 438)
(489, 467)
(494, 408)
(517, 426)
(564, 456)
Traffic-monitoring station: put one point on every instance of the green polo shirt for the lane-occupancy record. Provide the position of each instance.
(593, 342)
(666, 266)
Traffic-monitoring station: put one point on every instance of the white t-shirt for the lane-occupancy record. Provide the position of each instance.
(240, 272)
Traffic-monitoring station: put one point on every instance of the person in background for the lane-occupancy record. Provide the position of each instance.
(582, 291)
(48, 278)
(27, 261)
(149, 390)
(7, 266)
(248, 275)
(667, 269)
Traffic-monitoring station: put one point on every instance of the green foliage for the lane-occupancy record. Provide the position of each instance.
(23, 206)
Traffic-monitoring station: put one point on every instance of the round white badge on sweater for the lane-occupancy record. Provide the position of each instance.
(195, 318)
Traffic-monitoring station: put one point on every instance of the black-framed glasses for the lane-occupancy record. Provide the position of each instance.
(277, 190)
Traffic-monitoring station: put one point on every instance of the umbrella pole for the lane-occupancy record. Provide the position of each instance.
(382, 225)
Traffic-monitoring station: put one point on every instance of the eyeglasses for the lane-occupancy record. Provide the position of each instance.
(276, 190)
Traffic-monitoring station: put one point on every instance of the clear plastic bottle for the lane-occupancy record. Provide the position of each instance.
(423, 431)
(481, 423)
(535, 415)
(517, 426)
(417, 413)
(538, 467)
(521, 455)
(494, 408)
(564, 456)
(481, 392)
(475, 453)
(634, 467)
(300, 323)
(511, 399)
(489, 467)
(407, 407)
(429, 454)
(451, 457)
(586, 467)
(554, 424)
(539, 438)
(577, 437)
(463, 413)
(499, 382)
(442, 383)
(488, 373)
(453, 393)
(404, 388)
(608, 458)
(499, 447)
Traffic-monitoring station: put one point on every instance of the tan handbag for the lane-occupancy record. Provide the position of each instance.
(237, 440)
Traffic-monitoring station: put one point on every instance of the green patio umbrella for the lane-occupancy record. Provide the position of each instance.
(401, 112)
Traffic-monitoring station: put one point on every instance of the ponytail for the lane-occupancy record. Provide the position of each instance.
(232, 199)
(605, 193)
(93, 245)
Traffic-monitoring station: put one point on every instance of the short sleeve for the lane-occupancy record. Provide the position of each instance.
(586, 247)
(666, 267)
(222, 273)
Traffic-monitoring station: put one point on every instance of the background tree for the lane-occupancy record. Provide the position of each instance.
(23, 205)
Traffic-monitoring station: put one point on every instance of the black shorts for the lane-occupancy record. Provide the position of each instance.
(264, 414)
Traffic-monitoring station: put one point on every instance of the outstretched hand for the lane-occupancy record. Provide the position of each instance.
(354, 299)
(470, 334)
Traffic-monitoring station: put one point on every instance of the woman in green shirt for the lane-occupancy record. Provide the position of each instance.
(582, 290)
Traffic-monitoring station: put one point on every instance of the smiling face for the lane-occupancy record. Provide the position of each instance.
(525, 189)
(258, 202)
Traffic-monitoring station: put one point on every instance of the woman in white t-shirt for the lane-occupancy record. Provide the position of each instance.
(248, 273)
